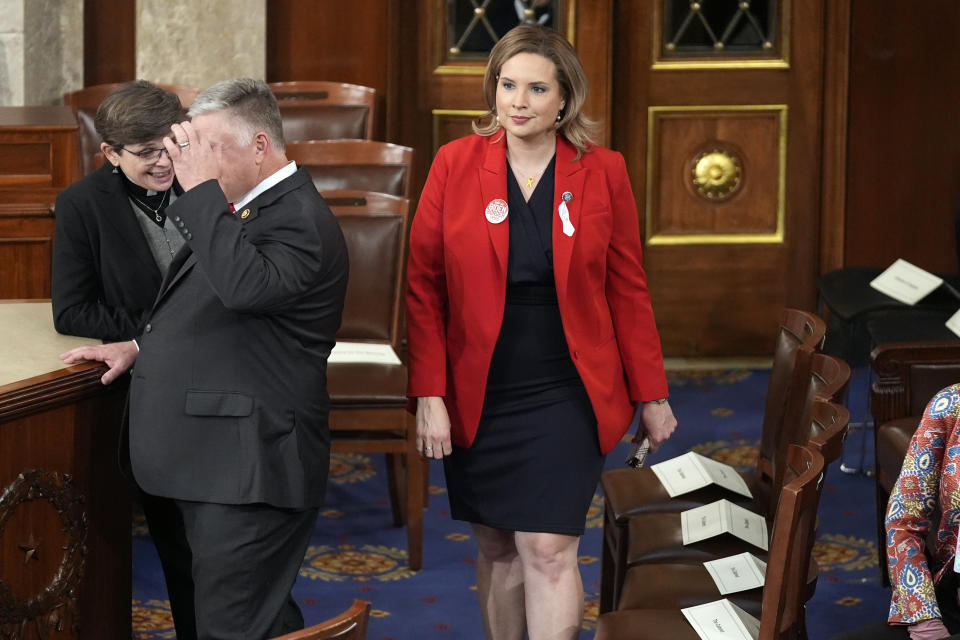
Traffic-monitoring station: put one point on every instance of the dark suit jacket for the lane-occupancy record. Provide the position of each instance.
(104, 277)
(457, 276)
(228, 399)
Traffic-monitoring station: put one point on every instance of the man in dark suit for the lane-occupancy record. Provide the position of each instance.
(228, 404)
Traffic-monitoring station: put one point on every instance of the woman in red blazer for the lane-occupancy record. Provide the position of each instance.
(531, 335)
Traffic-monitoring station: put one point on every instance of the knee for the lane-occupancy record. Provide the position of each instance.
(495, 545)
(548, 554)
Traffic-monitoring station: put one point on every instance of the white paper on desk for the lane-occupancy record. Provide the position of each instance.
(722, 620)
(692, 471)
(723, 516)
(365, 352)
(737, 573)
(906, 282)
(954, 323)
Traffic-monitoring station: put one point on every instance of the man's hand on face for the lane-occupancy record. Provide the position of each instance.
(195, 160)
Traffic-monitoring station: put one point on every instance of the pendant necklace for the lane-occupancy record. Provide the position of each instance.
(156, 212)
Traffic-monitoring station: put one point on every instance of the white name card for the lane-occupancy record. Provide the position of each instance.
(722, 620)
(954, 323)
(906, 282)
(692, 471)
(365, 352)
(723, 516)
(737, 573)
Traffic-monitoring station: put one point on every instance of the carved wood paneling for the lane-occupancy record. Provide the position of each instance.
(62, 425)
(725, 299)
(716, 174)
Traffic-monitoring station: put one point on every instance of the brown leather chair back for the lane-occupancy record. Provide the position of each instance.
(375, 232)
(355, 164)
(317, 110)
(85, 102)
(349, 625)
(785, 589)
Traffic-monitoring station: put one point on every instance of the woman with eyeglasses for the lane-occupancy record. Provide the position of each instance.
(113, 241)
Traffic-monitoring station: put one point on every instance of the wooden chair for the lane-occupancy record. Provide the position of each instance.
(906, 376)
(85, 102)
(656, 537)
(355, 164)
(785, 591)
(628, 492)
(368, 401)
(317, 110)
(349, 625)
(667, 586)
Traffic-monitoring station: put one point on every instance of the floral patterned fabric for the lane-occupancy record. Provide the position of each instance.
(929, 484)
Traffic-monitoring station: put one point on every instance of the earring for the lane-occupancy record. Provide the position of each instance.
(496, 117)
(559, 116)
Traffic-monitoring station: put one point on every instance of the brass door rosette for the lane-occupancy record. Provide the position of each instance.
(716, 173)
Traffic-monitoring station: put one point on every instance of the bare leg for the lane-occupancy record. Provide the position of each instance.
(552, 585)
(499, 584)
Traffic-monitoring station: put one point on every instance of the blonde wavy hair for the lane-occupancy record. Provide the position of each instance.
(576, 127)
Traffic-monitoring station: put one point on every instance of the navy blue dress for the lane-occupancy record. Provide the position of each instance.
(536, 460)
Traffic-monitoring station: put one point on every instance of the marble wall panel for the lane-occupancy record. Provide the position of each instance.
(200, 43)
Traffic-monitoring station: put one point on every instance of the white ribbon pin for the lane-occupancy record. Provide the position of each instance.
(565, 214)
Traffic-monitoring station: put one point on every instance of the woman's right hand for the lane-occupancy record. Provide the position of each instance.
(433, 428)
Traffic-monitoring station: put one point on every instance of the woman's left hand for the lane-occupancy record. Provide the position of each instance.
(659, 422)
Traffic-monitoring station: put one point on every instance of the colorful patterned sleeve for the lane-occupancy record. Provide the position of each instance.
(913, 504)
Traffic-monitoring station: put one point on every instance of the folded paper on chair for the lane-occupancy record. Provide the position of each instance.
(741, 572)
(363, 352)
(906, 282)
(721, 517)
(692, 471)
(954, 323)
(722, 620)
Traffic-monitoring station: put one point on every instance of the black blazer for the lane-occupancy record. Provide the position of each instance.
(104, 277)
(228, 400)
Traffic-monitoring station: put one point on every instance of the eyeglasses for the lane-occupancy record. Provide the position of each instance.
(149, 156)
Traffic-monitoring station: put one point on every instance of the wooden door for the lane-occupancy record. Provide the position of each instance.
(717, 109)
(459, 35)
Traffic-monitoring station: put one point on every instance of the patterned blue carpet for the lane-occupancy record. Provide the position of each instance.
(355, 552)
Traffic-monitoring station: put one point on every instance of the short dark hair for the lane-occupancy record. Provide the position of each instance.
(137, 112)
(251, 102)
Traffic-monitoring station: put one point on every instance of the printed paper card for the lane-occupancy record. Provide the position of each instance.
(737, 573)
(722, 620)
(954, 323)
(365, 352)
(723, 516)
(906, 282)
(692, 471)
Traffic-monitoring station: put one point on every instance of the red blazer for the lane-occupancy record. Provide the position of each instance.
(457, 274)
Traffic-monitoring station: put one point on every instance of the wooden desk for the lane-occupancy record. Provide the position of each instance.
(38, 159)
(64, 505)
(38, 147)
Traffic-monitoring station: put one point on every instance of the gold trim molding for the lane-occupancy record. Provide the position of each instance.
(659, 64)
(477, 67)
(777, 237)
